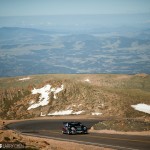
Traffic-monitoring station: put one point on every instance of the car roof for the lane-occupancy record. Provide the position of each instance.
(72, 122)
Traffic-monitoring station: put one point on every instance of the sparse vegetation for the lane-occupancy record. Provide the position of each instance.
(123, 125)
(7, 139)
(110, 94)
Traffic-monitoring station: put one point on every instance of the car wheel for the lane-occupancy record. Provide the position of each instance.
(68, 132)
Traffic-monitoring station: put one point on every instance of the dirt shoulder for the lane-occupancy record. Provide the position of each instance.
(142, 133)
(43, 143)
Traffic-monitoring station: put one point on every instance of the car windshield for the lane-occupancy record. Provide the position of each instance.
(75, 124)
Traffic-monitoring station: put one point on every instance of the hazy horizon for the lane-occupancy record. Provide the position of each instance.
(92, 20)
(64, 7)
(75, 13)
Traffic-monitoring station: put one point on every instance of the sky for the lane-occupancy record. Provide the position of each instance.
(66, 7)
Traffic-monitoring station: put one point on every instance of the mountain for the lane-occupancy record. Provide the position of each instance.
(103, 95)
(16, 35)
(25, 51)
(15, 31)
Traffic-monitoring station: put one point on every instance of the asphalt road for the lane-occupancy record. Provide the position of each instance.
(52, 129)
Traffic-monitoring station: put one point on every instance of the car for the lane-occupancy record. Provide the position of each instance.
(74, 128)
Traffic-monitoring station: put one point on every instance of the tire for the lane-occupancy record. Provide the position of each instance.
(68, 132)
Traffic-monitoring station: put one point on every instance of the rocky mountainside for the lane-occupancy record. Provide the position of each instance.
(106, 95)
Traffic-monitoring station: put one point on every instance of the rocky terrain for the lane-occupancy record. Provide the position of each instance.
(101, 95)
(125, 125)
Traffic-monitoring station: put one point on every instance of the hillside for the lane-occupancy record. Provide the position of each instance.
(102, 95)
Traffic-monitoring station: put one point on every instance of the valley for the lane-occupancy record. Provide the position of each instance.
(27, 51)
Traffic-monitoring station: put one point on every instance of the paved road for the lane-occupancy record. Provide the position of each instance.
(52, 129)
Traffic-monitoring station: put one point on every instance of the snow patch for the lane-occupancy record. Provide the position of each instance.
(31, 102)
(42, 115)
(23, 79)
(142, 107)
(96, 113)
(78, 112)
(65, 112)
(87, 80)
(57, 90)
(44, 95)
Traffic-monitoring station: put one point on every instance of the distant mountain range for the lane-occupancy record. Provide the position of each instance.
(25, 51)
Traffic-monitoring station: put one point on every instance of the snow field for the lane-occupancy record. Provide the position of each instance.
(44, 97)
(142, 107)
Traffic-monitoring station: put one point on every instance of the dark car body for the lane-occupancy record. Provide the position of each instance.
(73, 128)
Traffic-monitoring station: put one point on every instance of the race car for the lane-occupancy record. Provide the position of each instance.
(74, 128)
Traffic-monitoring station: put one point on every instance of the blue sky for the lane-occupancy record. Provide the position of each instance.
(57, 7)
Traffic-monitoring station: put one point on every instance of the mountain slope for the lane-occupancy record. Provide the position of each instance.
(57, 94)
